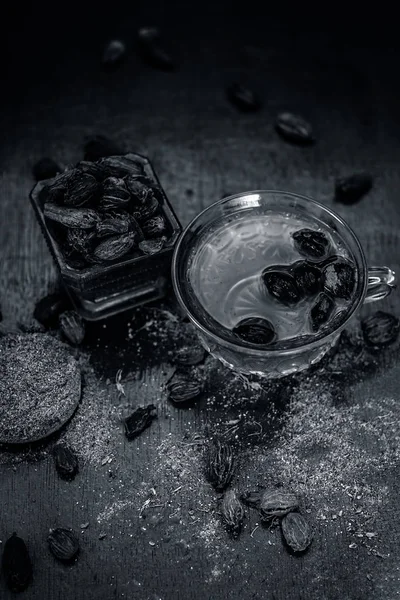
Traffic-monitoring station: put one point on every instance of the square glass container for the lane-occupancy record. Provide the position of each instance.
(101, 290)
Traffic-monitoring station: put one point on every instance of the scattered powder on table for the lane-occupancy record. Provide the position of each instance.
(331, 450)
(174, 505)
(333, 453)
(93, 433)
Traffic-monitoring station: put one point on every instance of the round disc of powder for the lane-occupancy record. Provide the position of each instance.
(40, 387)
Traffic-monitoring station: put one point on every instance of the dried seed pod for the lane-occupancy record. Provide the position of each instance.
(380, 329)
(311, 243)
(45, 168)
(189, 355)
(281, 285)
(220, 464)
(294, 128)
(100, 146)
(139, 420)
(115, 246)
(48, 309)
(72, 326)
(255, 331)
(142, 212)
(243, 98)
(16, 563)
(119, 166)
(349, 190)
(339, 277)
(183, 388)
(138, 190)
(152, 246)
(113, 53)
(321, 311)
(154, 227)
(296, 532)
(76, 262)
(252, 498)
(66, 462)
(92, 168)
(62, 179)
(308, 277)
(114, 193)
(54, 190)
(81, 188)
(151, 51)
(63, 543)
(80, 218)
(232, 513)
(81, 240)
(276, 503)
(114, 225)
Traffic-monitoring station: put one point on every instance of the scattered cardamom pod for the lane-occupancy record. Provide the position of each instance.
(189, 355)
(48, 309)
(349, 190)
(81, 188)
(151, 50)
(100, 146)
(294, 128)
(252, 498)
(275, 503)
(139, 420)
(243, 98)
(16, 563)
(80, 218)
(63, 543)
(232, 513)
(66, 462)
(115, 246)
(72, 326)
(152, 246)
(183, 388)
(120, 166)
(113, 53)
(154, 227)
(220, 464)
(380, 329)
(296, 531)
(45, 168)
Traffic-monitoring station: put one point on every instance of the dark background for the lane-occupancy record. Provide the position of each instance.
(338, 67)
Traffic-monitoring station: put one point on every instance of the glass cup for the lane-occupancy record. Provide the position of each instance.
(373, 283)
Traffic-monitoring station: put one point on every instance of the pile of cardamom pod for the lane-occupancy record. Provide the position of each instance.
(100, 211)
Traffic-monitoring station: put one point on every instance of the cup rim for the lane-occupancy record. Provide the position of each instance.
(262, 352)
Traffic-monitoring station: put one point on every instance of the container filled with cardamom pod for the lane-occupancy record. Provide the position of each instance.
(111, 231)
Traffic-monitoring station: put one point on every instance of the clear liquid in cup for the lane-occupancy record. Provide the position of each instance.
(225, 272)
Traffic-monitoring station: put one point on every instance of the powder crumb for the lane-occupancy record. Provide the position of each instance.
(92, 432)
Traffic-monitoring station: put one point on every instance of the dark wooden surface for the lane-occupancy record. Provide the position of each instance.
(344, 79)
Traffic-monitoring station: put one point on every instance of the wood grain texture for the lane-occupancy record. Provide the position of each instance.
(198, 142)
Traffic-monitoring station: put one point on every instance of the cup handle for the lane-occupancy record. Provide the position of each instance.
(381, 281)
